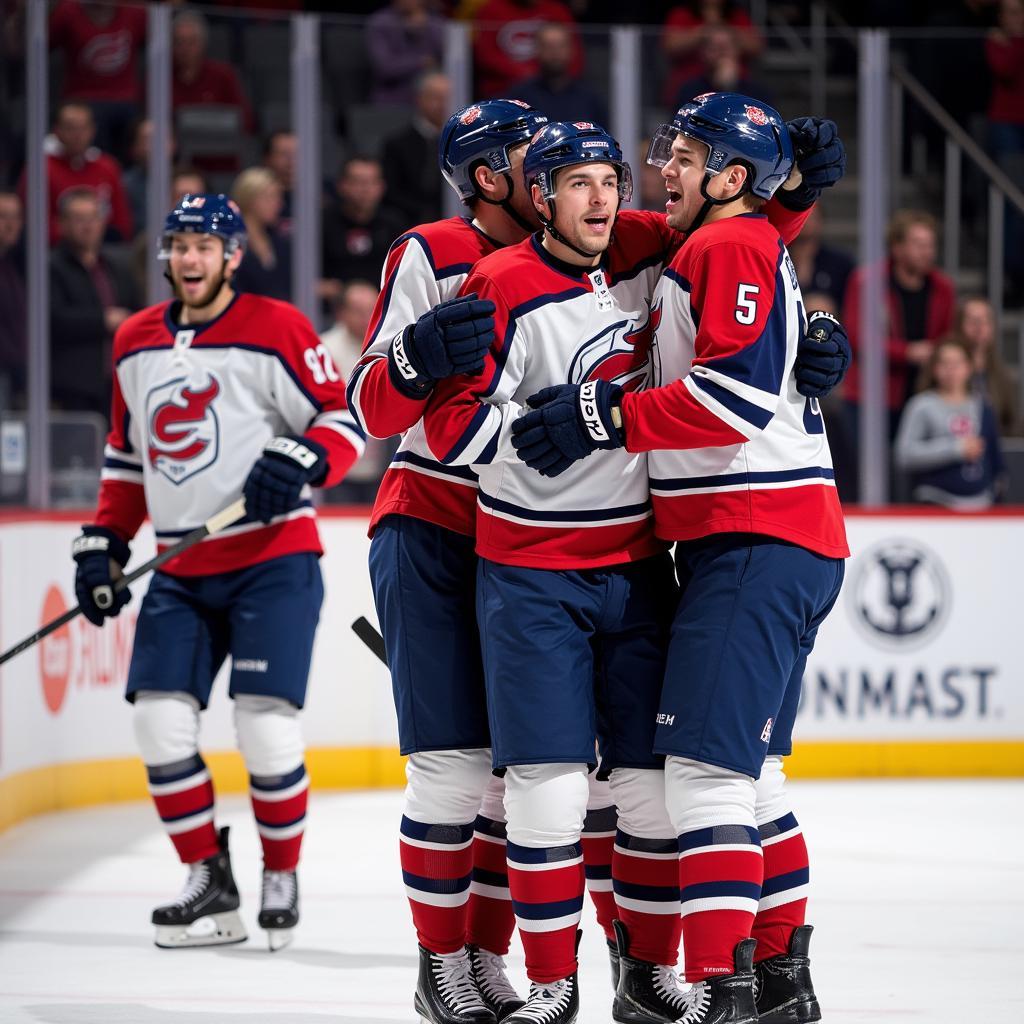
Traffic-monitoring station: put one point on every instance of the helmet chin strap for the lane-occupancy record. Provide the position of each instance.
(506, 205)
(709, 202)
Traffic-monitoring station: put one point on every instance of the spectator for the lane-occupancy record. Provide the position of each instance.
(820, 267)
(90, 297)
(504, 47)
(948, 442)
(101, 44)
(555, 89)
(14, 321)
(722, 70)
(135, 174)
(73, 163)
(683, 37)
(357, 232)
(279, 155)
(266, 267)
(414, 183)
(920, 304)
(405, 40)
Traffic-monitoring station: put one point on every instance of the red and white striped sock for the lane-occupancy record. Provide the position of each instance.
(783, 904)
(279, 806)
(183, 794)
(598, 840)
(646, 876)
(491, 920)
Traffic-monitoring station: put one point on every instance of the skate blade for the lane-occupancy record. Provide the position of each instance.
(278, 938)
(212, 930)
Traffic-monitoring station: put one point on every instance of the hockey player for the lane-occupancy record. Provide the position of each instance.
(741, 479)
(218, 394)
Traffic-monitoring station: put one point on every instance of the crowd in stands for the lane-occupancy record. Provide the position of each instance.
(949, 394)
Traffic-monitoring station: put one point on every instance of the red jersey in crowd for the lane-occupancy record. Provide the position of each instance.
(1006, 63)
(216, 84)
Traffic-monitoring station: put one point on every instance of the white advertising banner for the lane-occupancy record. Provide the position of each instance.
(925, 643)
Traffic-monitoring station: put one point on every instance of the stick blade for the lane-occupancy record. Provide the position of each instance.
(365, 630)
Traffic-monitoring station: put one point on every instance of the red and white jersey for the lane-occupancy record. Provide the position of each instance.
(733, 447)
(425, 266)
(193, 407)
(557, 323)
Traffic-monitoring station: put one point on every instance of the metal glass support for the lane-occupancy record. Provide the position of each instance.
(305, 88)
(625, 90)
(951, 209)
(874, 203)
(37, 269)
(996, 227)
(458, 66)
(158, 176)
(819, 59)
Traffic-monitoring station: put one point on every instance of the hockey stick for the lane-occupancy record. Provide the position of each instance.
(213, 525)
(364, 629)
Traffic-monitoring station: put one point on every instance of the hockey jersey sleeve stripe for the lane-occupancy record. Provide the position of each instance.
(348, 431)
(717, 399)
(123, 455)
(391, 265)
(474, 435)
(733, 479)
(123, 464)
(459, 472)
(570, 516)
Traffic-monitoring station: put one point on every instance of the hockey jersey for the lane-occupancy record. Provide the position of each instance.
(556, 323)
(193, 407)
(733, 446)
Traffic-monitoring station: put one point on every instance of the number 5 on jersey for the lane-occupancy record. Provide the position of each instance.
(746, 304)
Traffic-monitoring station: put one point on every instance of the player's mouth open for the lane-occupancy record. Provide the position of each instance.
(673, 197)
(597, 222)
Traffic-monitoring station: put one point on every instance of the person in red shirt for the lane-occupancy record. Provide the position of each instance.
(73, 162)
(101, 44)
(505, 47)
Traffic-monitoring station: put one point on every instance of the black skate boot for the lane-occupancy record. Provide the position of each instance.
(647, 993)
(279, 907)
(446, 992)
(492, 981)
(206, 912)
(785, 994)
(728, 999)
(557, 1003)
(613, 960)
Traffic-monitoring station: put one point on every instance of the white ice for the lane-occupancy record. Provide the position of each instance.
(917, 899)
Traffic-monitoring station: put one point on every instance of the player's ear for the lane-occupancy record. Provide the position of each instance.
(540, 204)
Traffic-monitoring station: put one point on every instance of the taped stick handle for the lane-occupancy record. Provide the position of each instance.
(216, 523)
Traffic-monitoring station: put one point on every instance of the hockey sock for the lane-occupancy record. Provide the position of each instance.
(598, 840)
(783, 904)
(491, 921)
(720, 875)
(646, 877)
(547, 886)
(183, 794)
(279, 806)
(437, 866)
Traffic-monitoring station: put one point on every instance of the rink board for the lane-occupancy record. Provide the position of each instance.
(916, 672)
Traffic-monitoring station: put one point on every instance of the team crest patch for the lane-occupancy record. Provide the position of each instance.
(184, 432)
(195, 203)
(469, 116)
(582, 125)
(621, 354)
(756, 115)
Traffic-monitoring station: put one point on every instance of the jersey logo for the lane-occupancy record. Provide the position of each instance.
(183, 428)
(621, 354)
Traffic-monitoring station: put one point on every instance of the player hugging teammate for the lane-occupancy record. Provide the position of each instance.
(572, 585)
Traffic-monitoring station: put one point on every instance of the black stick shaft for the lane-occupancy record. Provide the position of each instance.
(364, 629)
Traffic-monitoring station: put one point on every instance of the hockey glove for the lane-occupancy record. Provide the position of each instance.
(820, 158)
(101, 555)
(822, 356)
(275, 482)
(566, 423)
(450, 339)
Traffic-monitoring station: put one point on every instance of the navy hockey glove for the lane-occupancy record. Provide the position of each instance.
(100, 555)
(822, 357)
(566, 423)
(450, 339)
(820, 158)
(275, 482)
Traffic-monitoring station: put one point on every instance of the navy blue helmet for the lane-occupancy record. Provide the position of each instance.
(564, 144)
(206, 213)
(736, 129)
(485, 132)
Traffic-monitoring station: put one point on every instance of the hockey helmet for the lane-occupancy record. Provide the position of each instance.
(736, 129)
(564, 144)
(205, 214)
(484, 131)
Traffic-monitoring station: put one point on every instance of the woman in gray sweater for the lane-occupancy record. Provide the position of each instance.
(948, 442)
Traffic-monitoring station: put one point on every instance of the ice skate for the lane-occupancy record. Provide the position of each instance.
(279, 907)
(492, 981)
(555, 1003)
(206, 912)
(613, 962)
(728, 999)
(785, 993)
(447, 992)
(647, 993)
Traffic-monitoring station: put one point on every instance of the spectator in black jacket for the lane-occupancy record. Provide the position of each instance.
(414, 184)
(91, 295)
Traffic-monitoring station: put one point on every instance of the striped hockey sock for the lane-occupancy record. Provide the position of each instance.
(279, 806)
(437, 865)
(720, 875)
(598, 841)
(183, 794)
(646, 874)
(783, 904)
(547, 895)
(491, 921)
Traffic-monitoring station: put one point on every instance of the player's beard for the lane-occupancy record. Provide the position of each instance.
(207, 297)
